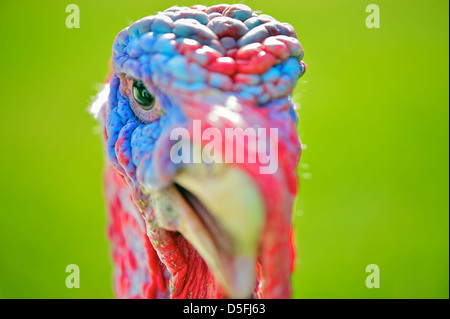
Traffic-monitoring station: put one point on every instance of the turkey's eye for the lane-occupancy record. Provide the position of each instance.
(145, 100)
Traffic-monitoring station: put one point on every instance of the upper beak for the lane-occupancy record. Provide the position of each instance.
(220, 211)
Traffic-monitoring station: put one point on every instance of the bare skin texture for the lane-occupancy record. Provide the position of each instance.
(209, 229)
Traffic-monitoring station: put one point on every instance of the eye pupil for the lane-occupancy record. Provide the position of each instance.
(142, 96)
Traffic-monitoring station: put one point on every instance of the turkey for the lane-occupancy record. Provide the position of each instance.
(190, 214)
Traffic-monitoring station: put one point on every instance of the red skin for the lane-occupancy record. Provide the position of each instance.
(225, 65)
(171, 267)
(167, 251)
(121, 223)
(167, 254)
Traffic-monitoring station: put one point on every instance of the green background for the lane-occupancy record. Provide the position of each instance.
(374, 176)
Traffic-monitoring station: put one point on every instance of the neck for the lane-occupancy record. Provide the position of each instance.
(151, 262)
(190, 276)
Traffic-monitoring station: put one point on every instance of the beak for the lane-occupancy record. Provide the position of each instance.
(219, 210)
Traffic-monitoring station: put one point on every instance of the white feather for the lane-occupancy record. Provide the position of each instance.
(100, 99)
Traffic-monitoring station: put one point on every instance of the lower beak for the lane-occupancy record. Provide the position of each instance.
(219, 210)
